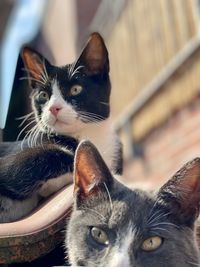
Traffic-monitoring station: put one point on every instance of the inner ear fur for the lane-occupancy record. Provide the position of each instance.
(90, 170)
(35, 65)
(94, 56)
(182, 192)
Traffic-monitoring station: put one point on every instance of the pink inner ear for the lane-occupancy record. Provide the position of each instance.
(94, 55)
(95, 52)
(34, 66)
(85, 175)
(95, 64)
(191, 183)
(90, 170)
(185, 187)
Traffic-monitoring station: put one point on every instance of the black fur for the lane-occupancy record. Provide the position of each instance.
(94, 98)
(26, 165)
(23, 173)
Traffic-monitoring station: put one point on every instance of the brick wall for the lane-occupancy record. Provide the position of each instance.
(167, 148)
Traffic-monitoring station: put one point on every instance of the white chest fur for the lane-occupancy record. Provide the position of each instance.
(103, 136)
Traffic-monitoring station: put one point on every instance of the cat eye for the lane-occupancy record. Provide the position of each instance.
(76, 89)
(43, 97)
(152, 243)
(99, 236)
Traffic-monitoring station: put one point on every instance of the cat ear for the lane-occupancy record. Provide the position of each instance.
(182, 193)
(94, 56)
(90, 173)
(35, 65)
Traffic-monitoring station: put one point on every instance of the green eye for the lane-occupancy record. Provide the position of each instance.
(152, 243)
(99, 236)
(76, 89)
(43, 96)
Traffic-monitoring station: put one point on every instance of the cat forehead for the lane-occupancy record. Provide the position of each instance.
(67, 72)
(63, 79)
(123, 207)
(59, 80)
(130, 206)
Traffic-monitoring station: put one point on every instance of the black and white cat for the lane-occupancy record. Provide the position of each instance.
(69, 103)
(112, 225)
(74, 100)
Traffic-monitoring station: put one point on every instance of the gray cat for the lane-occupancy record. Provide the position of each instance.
(112, 225)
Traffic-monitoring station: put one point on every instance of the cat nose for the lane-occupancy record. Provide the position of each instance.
(54, 110)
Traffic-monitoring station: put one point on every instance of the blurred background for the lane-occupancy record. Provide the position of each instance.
(154, 49)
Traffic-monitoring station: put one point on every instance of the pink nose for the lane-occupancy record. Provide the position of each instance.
(54, 110)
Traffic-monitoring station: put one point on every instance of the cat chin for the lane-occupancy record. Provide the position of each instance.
(65, 128)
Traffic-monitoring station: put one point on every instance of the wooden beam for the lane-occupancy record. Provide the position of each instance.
(157, 83)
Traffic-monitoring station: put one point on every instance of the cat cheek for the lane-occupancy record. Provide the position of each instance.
(67, 116)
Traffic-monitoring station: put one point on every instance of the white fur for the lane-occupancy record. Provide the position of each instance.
(120, 256)
(53, 185)
(67, 122)
(102, 135)
(66, 117)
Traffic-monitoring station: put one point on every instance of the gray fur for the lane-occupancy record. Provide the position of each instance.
(12, 210)
(132, 216)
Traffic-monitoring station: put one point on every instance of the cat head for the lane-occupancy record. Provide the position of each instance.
(112, 225)
(65, 99)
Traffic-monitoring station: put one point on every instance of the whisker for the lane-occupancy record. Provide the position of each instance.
(154, 219)
(24, 129)
(77, 70)
(71, 68)
(109, 196)
(25, 116)
(90, 117)
(41, 138)
(25, 137)
(33, 140)
(160, 229)
(31, 135)
(27, 119)
(96, 212)
(104, 103)
(91, 114)
(32, 79)
(35, 73)
(38, 133)
(87, 119)
(48, 129)
(165, 223)
(193, 263)
(153, 215)
(45, 70)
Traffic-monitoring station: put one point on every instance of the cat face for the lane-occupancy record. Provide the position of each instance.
(114, 226)
(66, 99)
